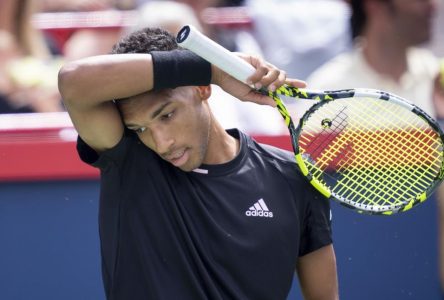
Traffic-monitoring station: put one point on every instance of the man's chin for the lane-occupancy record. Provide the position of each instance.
(188, 168)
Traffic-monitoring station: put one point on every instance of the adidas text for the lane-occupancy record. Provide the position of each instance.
(259, 209)
(259, 213)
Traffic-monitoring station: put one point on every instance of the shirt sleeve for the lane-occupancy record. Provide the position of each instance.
(316, 229)
(102, 160)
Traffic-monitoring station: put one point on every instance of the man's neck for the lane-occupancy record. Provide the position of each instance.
(386, 55)
(222, 147)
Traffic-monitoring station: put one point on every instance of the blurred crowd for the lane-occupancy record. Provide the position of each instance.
(313, 40)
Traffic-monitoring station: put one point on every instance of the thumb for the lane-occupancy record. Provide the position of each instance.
(259, 98)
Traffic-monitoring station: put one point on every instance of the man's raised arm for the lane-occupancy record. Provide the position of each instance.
(88, 87)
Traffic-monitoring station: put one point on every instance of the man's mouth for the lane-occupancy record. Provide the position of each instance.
(178, 157)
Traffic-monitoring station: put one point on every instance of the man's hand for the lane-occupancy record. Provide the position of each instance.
(266, 76)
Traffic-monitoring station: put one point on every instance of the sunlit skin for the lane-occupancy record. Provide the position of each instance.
(178, 125)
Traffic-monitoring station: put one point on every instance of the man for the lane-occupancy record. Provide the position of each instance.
(189, 210)
(385, 56)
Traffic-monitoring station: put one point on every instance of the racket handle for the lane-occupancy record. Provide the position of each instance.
(191, 39)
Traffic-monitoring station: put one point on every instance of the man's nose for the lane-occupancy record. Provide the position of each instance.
(162, 141)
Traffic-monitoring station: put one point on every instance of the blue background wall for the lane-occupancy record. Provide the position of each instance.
(49, 247)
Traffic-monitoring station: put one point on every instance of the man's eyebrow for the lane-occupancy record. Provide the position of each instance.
(153, 115)
(160, 109)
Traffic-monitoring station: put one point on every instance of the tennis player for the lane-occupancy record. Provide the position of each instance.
(189, 210)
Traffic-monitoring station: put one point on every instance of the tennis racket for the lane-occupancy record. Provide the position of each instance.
(370, 150)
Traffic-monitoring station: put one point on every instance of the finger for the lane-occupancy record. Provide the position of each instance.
(261, 71)
(295, 83)
(259, 98)
(273, 78)
(279, 81)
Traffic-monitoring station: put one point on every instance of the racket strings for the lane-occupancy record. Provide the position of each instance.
(375, 168)
(321, 142)
(357, 183)
(391, 178)
(392, 183)
(415, 129)
(392, 150)
(418, 144)
(362, 185)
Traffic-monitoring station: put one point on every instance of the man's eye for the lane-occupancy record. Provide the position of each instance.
(140, 130)
(167, 116)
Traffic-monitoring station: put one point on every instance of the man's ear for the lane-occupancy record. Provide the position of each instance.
(204, 92)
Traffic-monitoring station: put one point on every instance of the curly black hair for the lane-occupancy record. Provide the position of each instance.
(358, 18)
(144, 41)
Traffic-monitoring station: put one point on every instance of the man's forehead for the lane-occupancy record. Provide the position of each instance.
(145, 100)
(146, 105)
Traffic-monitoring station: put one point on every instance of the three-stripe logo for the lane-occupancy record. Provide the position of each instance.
(259, 209)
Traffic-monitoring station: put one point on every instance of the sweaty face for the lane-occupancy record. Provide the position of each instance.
(413, 19)
(173, 123)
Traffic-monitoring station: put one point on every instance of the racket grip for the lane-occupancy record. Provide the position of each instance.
(191, 39)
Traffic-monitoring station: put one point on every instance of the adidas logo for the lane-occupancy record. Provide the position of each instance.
(259, 209)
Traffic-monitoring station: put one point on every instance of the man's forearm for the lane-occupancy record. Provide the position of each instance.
(97, 79)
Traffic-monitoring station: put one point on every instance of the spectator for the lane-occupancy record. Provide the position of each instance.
(28, 73)
(386, 56)
(173, 17)
(437, 43)
(88, 41)
(300, 35)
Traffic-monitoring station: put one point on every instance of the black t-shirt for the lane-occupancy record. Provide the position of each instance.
(229, 231)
